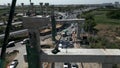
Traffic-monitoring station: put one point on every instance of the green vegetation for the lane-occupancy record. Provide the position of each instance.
(107, 37)
(115, 66)
(89, 24)
(1, 41)
(108, 29)
(115, 14)
(101, 18)
(5, 10)
(102, 42)
(2, 29)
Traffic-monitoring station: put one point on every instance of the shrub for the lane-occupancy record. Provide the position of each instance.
(114, 14)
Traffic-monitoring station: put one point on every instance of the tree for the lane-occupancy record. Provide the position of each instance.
(89, 24)
(78, 16)
(2, 29)
(114, 14)
(114, 66)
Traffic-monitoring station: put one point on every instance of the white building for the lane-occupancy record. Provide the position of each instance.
(117, 5)
(2, 6)
(104, 5)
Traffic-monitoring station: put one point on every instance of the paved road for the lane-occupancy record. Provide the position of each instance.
(77, 45)
(58, 65)
(19, 32)
(69, 31)
(22, 51)
(19, 57)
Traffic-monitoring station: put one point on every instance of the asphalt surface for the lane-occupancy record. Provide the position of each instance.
(19, 57)
(19, 32)
(58, 65)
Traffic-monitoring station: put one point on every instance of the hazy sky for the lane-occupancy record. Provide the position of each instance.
(2, 2)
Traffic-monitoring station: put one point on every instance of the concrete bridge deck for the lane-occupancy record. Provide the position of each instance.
(82, 55)
(70, 20)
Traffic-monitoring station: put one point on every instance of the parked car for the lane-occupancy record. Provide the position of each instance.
(11, 44)
(74, 66)
(66, 65)
(59, 46)
(24, 41)
(13, 64)
(66, 44)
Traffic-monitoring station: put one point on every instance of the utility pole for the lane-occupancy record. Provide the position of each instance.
(7, 32)
(53, 22)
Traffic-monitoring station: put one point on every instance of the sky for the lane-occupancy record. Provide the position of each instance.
(3, 2)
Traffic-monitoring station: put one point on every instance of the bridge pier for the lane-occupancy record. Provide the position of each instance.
(79, 28)
(33, 24)
(53, 65)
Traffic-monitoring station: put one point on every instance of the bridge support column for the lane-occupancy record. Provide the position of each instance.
(53, 22)
(22, 4)
(34, 24)
(33, 49)
(78, 30)
(41, 8)
(107, 65)
(53, 65)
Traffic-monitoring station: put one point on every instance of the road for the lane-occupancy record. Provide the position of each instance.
(59, 65)
(70, 29)
(19, 57)
(15, 23)
(77, 45)
(15, 33)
